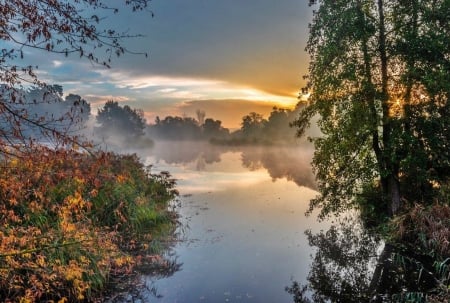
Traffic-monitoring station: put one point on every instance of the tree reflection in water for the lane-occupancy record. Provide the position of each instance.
(282, 162)
(290, 162)
(353, 265)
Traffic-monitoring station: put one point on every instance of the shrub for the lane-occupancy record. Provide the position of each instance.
(65, 217)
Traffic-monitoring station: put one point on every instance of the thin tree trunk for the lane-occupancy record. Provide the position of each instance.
(369, 92)
(389, 179)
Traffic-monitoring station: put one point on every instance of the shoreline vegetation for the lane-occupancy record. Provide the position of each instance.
(74, 226)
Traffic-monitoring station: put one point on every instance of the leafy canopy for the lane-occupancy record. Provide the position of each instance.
(378, 80)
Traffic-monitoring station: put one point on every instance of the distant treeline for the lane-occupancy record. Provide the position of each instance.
(187, 128)
(119, 125)
(254, 128)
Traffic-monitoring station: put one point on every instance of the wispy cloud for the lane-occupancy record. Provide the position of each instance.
(124, 79)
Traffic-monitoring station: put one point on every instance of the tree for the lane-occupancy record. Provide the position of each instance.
(120, 123)
(252, 125)
(175, 128)
(43, 116)
(278, 125)
(378, 79)
(61, 27)
(214, 129)
(200, 116)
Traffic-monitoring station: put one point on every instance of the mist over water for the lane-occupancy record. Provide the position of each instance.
(292, 163)
(242, 222)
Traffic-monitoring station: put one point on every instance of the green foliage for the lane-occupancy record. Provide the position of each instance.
(379, 84)
(372, 209)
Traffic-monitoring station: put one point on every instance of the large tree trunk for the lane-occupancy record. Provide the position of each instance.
(394, 195)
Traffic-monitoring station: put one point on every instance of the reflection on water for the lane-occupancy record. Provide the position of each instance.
(242, 211)
(281, 163)
(183, 152)
(353, 265)
(292, 163)
(343, 265)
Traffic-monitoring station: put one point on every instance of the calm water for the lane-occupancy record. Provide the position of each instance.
(242, 212)
(243, 235)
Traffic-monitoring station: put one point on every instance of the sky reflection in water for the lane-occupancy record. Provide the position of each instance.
(244, 213)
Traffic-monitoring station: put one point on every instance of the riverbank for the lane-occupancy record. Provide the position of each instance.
(73, 224)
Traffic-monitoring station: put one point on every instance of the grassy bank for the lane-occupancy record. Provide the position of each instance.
(72, 223)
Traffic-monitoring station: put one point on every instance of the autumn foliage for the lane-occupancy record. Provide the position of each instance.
(68, 221)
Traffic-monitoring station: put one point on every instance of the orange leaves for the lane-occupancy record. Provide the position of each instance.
(121, 178)
(64, 220)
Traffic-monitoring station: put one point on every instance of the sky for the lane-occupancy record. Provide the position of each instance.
(226, 57)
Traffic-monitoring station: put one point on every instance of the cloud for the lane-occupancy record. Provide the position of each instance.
(166, 90)
(129, 80)
(57, 63)
(226, 57)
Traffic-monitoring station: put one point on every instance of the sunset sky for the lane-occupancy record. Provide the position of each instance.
(226, 57)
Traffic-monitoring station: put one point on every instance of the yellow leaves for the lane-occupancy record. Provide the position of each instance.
(25, 300)
(123, 260)
(14, 162)
(40, 260)
(121, 178)
(78, 180)
(67, 227)
(80, 288)
(11, 261)
(83, 260)
(76, 202)
(73, 271)
(63, 300)
(35, 207)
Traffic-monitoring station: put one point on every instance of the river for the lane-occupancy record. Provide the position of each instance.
(244, 236)
(242, 214)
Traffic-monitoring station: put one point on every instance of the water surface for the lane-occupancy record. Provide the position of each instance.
(242, 212)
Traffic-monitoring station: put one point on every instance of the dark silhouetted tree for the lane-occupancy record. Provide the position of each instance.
(176, 128)
(117, 123)
(278, 126)
(212, 129)
(252, 125)
(46, 107)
